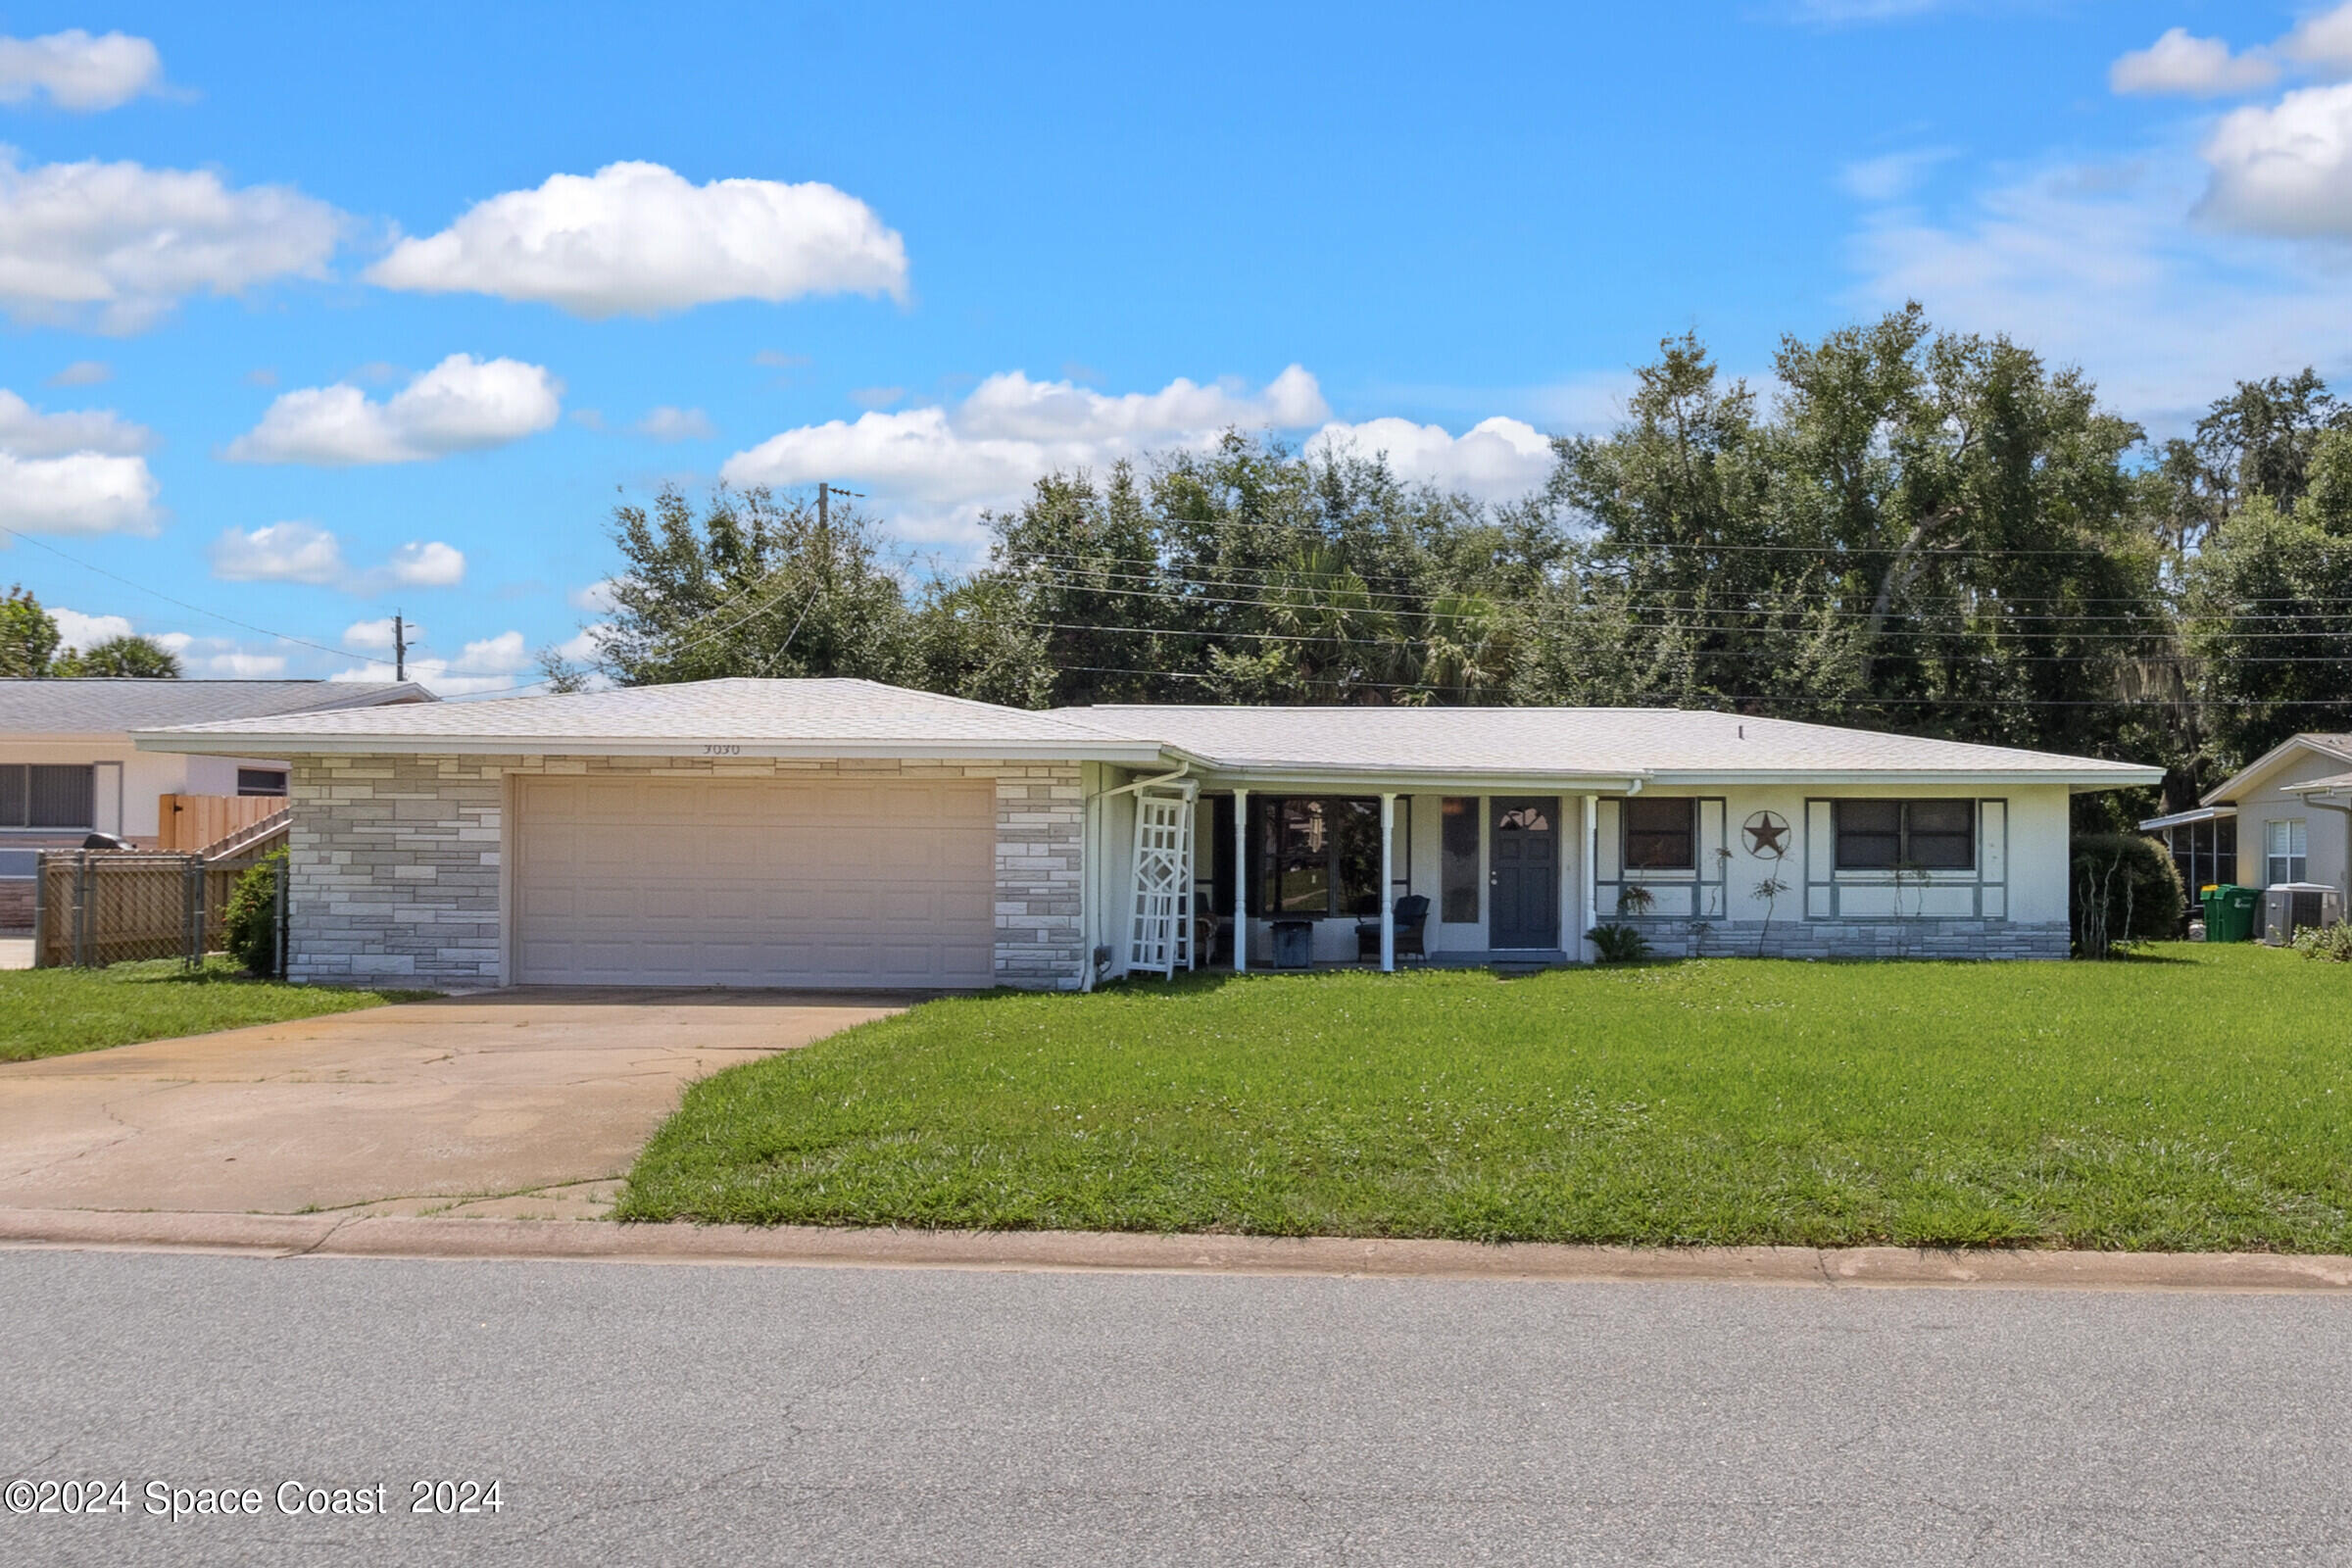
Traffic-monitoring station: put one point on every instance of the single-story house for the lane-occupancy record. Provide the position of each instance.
(68, 768)
(2281, 818)
(843, 833)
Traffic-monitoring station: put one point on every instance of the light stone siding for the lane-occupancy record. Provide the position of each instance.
(1853, 939)
(396, 860)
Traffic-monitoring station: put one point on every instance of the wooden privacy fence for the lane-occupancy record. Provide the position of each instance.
(96, 908)
(191, 823)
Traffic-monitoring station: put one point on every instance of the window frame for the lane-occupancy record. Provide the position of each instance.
(1903, 859)
(2297, 865)
(1455, 812)
(22, 796)
(1265, 868)
(1627, 808)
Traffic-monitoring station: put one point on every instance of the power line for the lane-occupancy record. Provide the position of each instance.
(228, 620)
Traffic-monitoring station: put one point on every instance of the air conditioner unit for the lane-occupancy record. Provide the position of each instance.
(2291, 905)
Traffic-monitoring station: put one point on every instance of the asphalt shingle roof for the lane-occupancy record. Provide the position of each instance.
(865, 718)
(108, 706)
(861, 712)
(1650, 741)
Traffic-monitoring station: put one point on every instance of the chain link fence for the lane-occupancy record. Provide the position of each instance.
(96, 908)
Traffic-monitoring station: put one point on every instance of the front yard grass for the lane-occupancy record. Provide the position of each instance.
(2192, 1097)
(55, 1012)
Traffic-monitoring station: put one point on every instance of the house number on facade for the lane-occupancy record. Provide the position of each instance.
(722, 751)
(1767, 835)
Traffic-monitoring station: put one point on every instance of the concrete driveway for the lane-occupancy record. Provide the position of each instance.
(523, 1102)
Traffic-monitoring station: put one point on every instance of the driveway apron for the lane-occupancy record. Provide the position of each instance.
(509, 1092)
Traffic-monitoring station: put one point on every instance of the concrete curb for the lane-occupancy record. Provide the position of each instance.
(597, 1241)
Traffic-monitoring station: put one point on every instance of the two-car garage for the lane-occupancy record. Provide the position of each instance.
(822, 882)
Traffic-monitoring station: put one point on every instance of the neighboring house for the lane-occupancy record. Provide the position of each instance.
(839, 833)
(68, 768)
(2281, 818)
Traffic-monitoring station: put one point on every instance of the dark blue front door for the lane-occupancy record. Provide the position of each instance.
(1523, 873)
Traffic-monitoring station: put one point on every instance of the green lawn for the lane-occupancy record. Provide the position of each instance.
(2193, 1097)
(54, 1012)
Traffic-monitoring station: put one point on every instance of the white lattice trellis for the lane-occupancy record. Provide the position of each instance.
(1160, 926)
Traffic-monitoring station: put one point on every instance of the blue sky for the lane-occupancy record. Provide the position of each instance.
(298, 331)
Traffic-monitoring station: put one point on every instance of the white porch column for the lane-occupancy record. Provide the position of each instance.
(1589, 854)
(1387, 884)
(1241, 881)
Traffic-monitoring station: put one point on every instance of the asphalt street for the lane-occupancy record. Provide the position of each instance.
(703, 1414)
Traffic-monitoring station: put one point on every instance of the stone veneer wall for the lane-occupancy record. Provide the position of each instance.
(1799, 938)
(396, 858)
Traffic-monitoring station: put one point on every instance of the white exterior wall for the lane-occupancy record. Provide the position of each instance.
(145, 775)
(2014, 903)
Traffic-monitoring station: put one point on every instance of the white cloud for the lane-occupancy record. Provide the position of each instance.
(75, 71)
(221, 657)
(488, 665)
(427, 565)
(83, 372)
(26, 432)
(376, 635)
(82, 632)
(635, 238)
(936, 468)
(596, 597)
(304, 553)
(1890, 176)
(2196, 68)
(460, 405)
(1495, 460)
(117, 245)
(582, 646)
(81, 492)
(2284, 168)
(2093, 265)
(2321, 42)
(678, 425)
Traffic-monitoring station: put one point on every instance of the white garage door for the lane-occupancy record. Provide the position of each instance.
(708, 882)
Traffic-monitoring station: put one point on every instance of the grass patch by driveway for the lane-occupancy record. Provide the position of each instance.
(55, 1012)
(2191, 1099)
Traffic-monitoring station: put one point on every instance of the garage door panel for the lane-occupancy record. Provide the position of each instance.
(754, 882)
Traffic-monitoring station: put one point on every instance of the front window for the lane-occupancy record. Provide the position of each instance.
(1460, 860)
(2288, 852)
(45, 794)
(1661, 835)
(1319, 855)
(1907, 835)
(261, 781)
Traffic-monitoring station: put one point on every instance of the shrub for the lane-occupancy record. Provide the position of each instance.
(2124, 888)
(1618, 944)
(2333, 943)
(251, 916)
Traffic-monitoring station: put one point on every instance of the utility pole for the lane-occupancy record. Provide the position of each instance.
(825, 493)
(400, 648)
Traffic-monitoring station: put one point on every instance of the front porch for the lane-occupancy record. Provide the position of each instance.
(1326, 878)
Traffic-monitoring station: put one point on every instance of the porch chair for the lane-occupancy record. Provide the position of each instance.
(1412, 914)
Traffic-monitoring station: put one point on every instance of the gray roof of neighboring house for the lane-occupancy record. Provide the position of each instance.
(109, 707)
(760, 718)
(1653, 743)
(2325, 743)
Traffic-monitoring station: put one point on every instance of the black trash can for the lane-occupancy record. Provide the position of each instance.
(1294, 944)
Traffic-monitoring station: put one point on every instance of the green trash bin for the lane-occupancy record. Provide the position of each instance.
(2232, 912)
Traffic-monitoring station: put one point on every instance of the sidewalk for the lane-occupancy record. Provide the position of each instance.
(380, 1235)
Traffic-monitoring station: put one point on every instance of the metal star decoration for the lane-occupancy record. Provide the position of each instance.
(1767, 834)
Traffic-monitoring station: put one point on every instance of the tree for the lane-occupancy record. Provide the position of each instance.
(2266, 614)
(141, 658)
(1930, 532)
(759, 585)
(27, 635)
